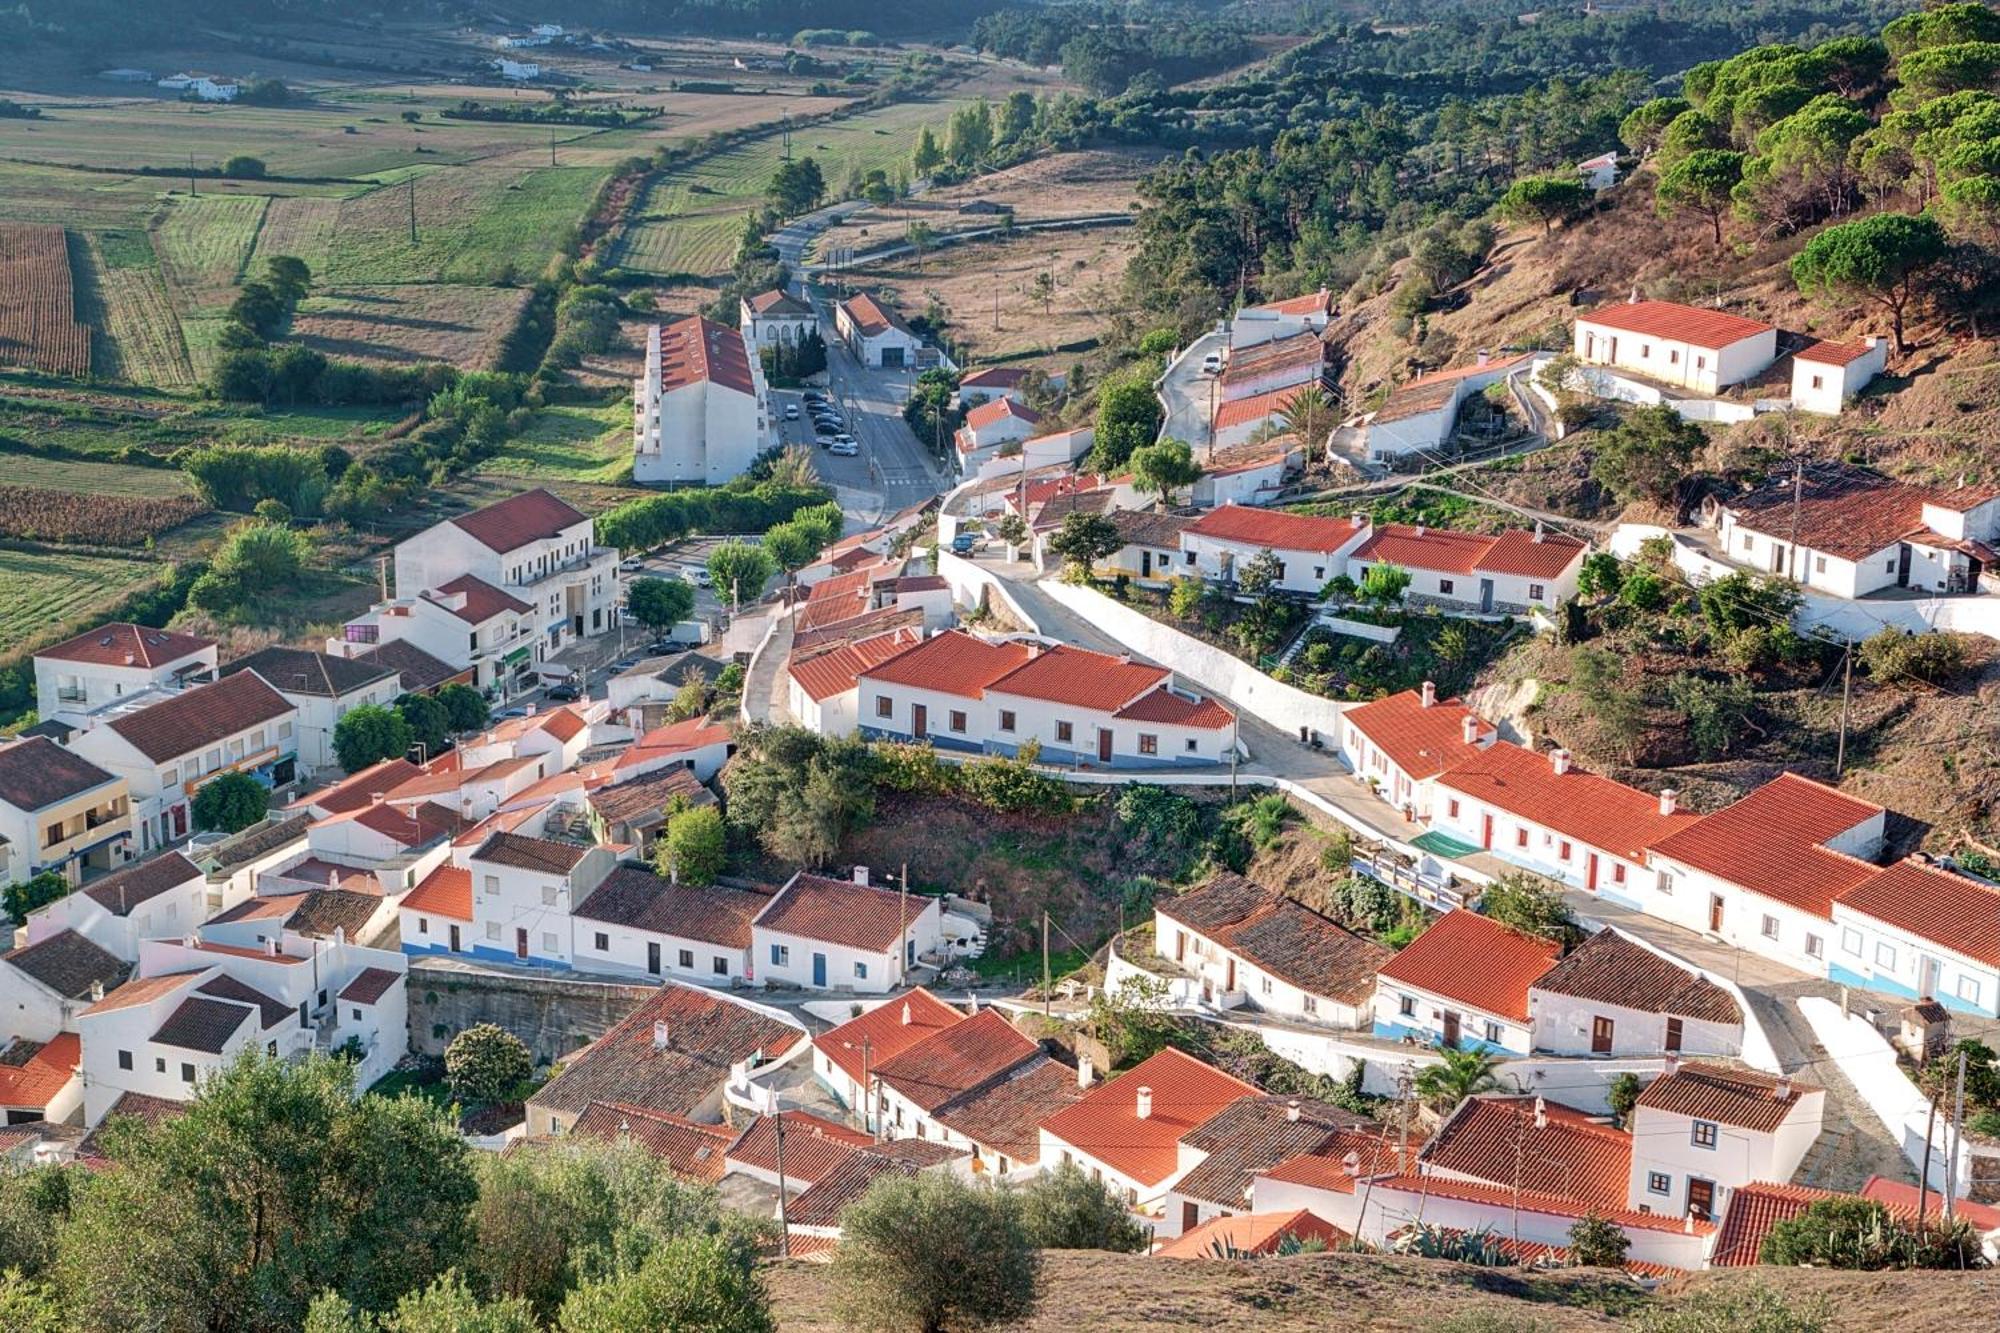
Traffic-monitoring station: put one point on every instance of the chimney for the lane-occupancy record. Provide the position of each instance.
(661, 1035)
(1874, 341)
(906, 1013)
(1143, 1107)
(1541, 1114)
(1420, 529)
(131, 659)
(1086, 1071)
(1468, 729)
(1430, 694)
(96, 991)
(1351, 1163)
(1358, 520)
(1559, 761)
(1669, 800)
(375, 797)
(1484, 357)
(1292, 1112)
(1538, 530)
(1671, 1065)
(1687, 1224)
(1633, 299)
(339, 936)
(861, 875)
(1783, 1092)
(972, 998)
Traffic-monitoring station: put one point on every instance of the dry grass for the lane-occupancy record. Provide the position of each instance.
(38, 325)
(409, 324)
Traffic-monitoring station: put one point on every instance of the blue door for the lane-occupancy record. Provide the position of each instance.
(819, 969)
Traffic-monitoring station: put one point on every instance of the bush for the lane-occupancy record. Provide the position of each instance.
(931, 1251)
(1862, 1234)
(243, 167)
(485, 1063)
(230, 803)
(25, 896)
(1530, 904)
(1065, 1209)
(695, 848)
(1013, 787)
(465, 708)
(1596, 1243)
(1934, 659)
(368, 735)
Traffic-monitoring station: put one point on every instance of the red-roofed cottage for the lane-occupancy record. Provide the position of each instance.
(115, 660)
(1127, 1131)
(1474, 573)
(1687, 346)
(1421, 413)
(1463, 983)
(1826, 374)
(1255, 324)
(699, 411)
(1918, 929)
(1310, 550)
(1700, 1132)
(876, 333)
(843, 934)
(1399, 744)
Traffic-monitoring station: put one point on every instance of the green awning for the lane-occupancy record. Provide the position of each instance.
(1439, 844)
(518, 655)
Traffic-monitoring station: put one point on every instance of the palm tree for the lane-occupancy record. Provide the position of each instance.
(1464, 1073)
(1309, 415)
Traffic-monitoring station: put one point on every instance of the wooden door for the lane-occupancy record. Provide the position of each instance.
(1229, 976)
(454, 939)
(1601, 1030)
(920, 721)
(1104, 745)
(1486, 833)
(1451, 1029)
(1715, 912)
(520, 942)
(1673, 1034)
(1701, 1198)
(1590, 873)
(1190, 1216)
(653, 957)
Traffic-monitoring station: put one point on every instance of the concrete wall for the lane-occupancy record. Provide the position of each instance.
(1869, 1062)
(554, 1015)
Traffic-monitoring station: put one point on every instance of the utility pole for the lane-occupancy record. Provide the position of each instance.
(1924, 1176)
(784, 1220)
(552, 145)
(1798, 495)
(1846, 699)
(867, 1117)
(1046, 991)
(1232, 759)
(191, 189)
(903, 925)
(1520, 1145)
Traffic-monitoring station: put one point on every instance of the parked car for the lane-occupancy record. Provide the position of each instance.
(697, 575)
(508, 714)
(813, 396)
(844, 448)
(632, 566)
(562, 694)
(962, 543)
(826, 428)
(1212, 364)
(791, 411)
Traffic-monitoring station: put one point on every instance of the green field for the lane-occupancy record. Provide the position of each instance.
(90, 478)
(584, 444)
(50, 594)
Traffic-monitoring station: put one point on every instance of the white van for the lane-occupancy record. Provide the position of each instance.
(1212, 364)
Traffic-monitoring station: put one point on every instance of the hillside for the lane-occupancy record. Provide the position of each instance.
(1119, 1292)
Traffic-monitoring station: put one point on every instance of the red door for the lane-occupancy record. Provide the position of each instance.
(1486, 836)
(920, 721)
(1701, 1198)
(1451, 1029)
(1715, 913)
(1590, 874)
(520, 942)
(1103, 746)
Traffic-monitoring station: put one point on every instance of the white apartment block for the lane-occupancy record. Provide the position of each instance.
(700, 413)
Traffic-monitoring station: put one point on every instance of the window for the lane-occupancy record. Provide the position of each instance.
(1065, 732)
(1815, 946)
(492, 930)
(720, 966)
(159, 1064)
(884, 706)
(1657, 1182)
(1537, 593)
(548, 895)
(1406, 1005)
(1701, 363)
(603, 942)
(1968, 988)
(1310, 1003)
(1006, 719)
(492, 885)
(1445, 586)
(1819, 564)
(124, 1059)
(1703, 1134)
(1748, 541)
(1673, 1042)
(1520, 837)
(957, 720)
(549, 941)
(1819, 381)
(1562, 850)
(861, 971)
(1885, 955)
(1264, 985)
(1451, 807)
(1148, 744)
(1674, 357)
(187, 1072)
(1850, 941)
(781, 955)
(1491, 1031)
(686, 958)
(1645, 351)
(1189, 557)
(271, 1047)
(1617, 872)
(1189, 745)
(169, 776)
(1770, 928)
(423, 925)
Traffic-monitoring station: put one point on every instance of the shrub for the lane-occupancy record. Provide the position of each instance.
(230, 803)
(932, 1251)
(1065, 1209)
(1935, 659)
(486, 1062)
(1531, 905)
(1013, 786)
(368, 735)
(695, 848)
(1596, 1243)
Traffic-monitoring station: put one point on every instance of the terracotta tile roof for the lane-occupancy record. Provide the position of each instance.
(143, 990)
(1461, 372)
(776, 303)
(1744, 1098)
(482, 601)
(323, 911)
(370, 984)
(813, 1146)
(122, 890)
(1530, 1201)
(302, 671)
(110, 645)
(241, 951)
(1281, 936)
(1770, 843)
(202, 1024)
(1312, 303)
(1376, 1151)
(1105, 1123)
(1257, 407)
(37, 772)
(957, 1059)
(537, 854)
(1171, 709)
(1145, 527)
(1003, 1115)
(1612, 969)
(1578, 804)
(201, 717)
(422, 823)
(1713, 329)
(445, 892)
(887, 1030)
(871, 318)
(692, 1151)
(1280, 449)
(1825, 353)
(1415, 399)
(839, 911)
(361, 789)
(697, 349)
(270, 1012)
(691, 734)
(512, 523)
(642, 801)
(706, 1034)
(822, 1203)
(1901, 1199)
(639, 899)
(1080, 678)
(32, 1072)
(417, 671)
(993, 377)
(1848, 512)
(998, 410)
(1102, 500)
(1568, 1153)
(259, 840)
(1254, 1135)
(1516, 551)
(1300, 351)
(130, 1106)
(1421, 741)
(1463, 956)
(952, 662)
(835, 671)
(1753, 1210)
(1275, 529)
(1251, 1233)
(68, 964)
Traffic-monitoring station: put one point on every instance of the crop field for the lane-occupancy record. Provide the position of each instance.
(39, 514)
(51, 594)
(18, 470)
(38, 324)
(204, 243)
(578, 444)
(140, 324)
(407, 324)
(665, 242)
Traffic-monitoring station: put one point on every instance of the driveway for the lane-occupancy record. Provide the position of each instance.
(1185, 393)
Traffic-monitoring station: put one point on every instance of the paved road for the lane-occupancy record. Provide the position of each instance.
(1186, 392)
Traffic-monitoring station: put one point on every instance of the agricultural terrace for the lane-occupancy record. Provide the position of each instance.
(38, 325)
(53, 593)
(1063, 185)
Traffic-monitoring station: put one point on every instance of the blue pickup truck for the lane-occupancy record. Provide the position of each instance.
(962, 543)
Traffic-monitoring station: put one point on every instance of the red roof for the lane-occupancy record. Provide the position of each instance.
(512, 523)
(813, 1146)
(1251, 1233)
(202, 717)
(483, 601)
(1106, 1125)
(886, 1030)
(112, 644)
(1421, 741)
(1300, 351)
(1713, 329)
(1312, 303)
(1834, 354)
(28, 1084)
(1515, 551)
(835, 672)
(1744, 1098)
(1770, 842)
(1080, 678)
(1530, 1201)
(1753, 1210)
(688, 1149)
(1593, 810)
(953, 662)
(1951, 911)
(993, 377)
(362, 788)
(957, 1059)
(1257, 406)
(1274, 529)
(689, 734)
(999, 409)
(1169, 709)
(698, 349)
(1901, 1198)
(839, 911)
(445, 892)
(1374, 1153)
(1466, 957)
(783, 303)
(871, 317)
(1460, 372)
(1567, 1153)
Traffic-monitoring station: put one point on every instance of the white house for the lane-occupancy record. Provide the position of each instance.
(167, 750)
(1762, 874)
(1919, 930)
(1278, 364)
(821, 685)
(46, 984)
(1151, 554)
(1463, 983)
(202, 87)
(519, 70)
(1422, 413)
(38, 1080)
(635, 923)
(1247, 474)
(875, 333)
(1473, 573)
(1827, 374)
(1681, 345)
(1254, 947)
(775, 318)
(167, 895)
(59, 813)
(103, 665)
(696, 744)
(699, 412)
(844, 935)
(979, 1085)
(991, 382)
(1700, 1131)
(1056, 449)
(533, 547)
(491, 635)
(1234, 422)
(1127, 1131)
(996, 422)
(1599, 173)
(1615, 995)
(1250, 1135)
(1310, 550)
(1848, 532)
(324, 688)
(524, 890)
(845, 1057)
(1257, 324)
(1400, 743)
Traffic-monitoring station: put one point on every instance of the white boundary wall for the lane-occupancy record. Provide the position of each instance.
(1869, 1063)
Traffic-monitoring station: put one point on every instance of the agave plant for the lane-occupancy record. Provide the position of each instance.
(1426, 1241)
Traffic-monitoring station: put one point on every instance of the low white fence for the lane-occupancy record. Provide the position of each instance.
(1869, 1063)
(971, 585)
(1361, 629)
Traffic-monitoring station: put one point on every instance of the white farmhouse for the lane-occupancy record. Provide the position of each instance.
(114, 661)
(996, 422)
(1273, 320)
(45, 985)
(1401, 743)
(991, 382)
(1599, 173)
(1279, 364)
(1309, 550)
(1254, 947)
(833, 934)
(773, 319)
(59, 813)
(635, 923)
(1918, 930)
(1421, 414)
(876, 334)
(699, 412)
(845, 1057)
(1463, 984)
(1827, 374)
(1151, 554)
(1247, 474)
(489, 636)
(167, 895)
(1615, 995)
(821, 685)
(1472, 573)
(1701, 1131)
(324, 689)
(1680, 345)
(518, 70)
(1236, 421)
(1127, 1131)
